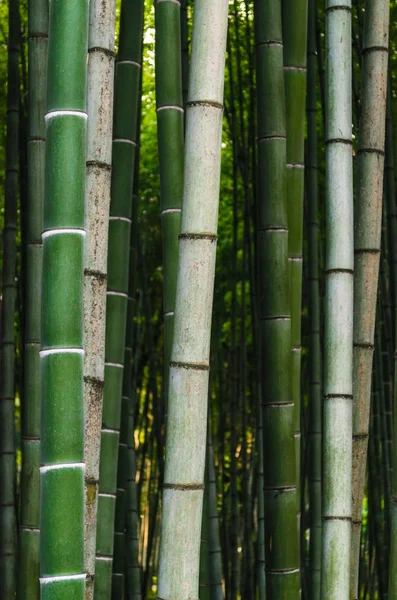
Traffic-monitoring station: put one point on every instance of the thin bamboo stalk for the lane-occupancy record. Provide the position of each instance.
(111, 511)
(214, 538)
(133, 36)
(8, 533)
(61, 358)
(367, 243)
(29, 535)
(294, 14)
(338, 384)
(98, 172)
(188, 393)
(315, 376)
(170, 127)
(280, 493)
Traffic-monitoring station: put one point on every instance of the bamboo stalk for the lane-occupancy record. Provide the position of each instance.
(338, 390)
(29, 535)
(368, 223)
(280, 493)
(61, 357)
(295, 40)
(111, 511)
(98, 172)
(169, 103)
(188, 394)
(315, 359)
(8, 533)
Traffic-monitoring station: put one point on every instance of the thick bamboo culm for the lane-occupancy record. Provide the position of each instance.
(170, 126)
(280, 491)
(8, 531)
(367, 244)
(315, 357)
(98, 172)
(61, 357)
(29, 535)
(338, 308)
(189, 370)
(113, 469)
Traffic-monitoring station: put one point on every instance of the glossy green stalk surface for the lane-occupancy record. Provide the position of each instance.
(170, 127)
(61, 357)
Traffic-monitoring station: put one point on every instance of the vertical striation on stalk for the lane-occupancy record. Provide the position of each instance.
(279, 475)
(170, 127)
(189, 369)
(100, 73)
(367, 245)
(29, 534)
(338, 384)
(8, 533)
(315, 375)
(62, 354)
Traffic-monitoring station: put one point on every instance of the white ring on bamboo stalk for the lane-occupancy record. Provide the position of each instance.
(62, 351)
(65, 113)
(129, 62)
(120, 219)
(46, 468)
(106, 430)
(170, 313)
(111, 293)
(107, 495)
(170, 106)
(124, 141)
(112, 364)
(44, 580)
(170, 210)
(58, 230)
(104, 558)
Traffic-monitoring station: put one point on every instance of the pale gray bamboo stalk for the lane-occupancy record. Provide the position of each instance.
(189, 368)
(368, 222)
(100, 75)
(338, 380)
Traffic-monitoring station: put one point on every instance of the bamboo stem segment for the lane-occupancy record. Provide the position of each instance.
(338, 384)
(189, 370)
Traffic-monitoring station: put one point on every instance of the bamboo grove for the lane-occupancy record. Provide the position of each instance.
(198, 393)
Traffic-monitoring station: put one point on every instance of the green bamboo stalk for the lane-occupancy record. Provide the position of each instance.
(132, 566)
(280, 493)
(8, 533)
(170, 126)
(134, 22)
(189, 369)
(315, 359)
(391, 204)
(204, 576)
(260, 543)
(214, 539)
(367, 243)
(294, 16)
(61, 357)
(393, 502)
(338, 384)
(98, 172)
(111, 512)
(185, 52)
(29, 534)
